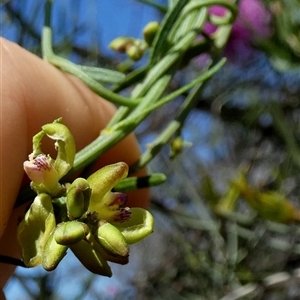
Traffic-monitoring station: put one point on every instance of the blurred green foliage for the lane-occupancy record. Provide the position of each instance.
(283, 47)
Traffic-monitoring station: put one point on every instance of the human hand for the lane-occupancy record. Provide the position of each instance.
(34, 93)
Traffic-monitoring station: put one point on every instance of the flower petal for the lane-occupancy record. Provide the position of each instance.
(138, 227)
(111, 207)
(35, 229)
(102, 181)
(65, 145)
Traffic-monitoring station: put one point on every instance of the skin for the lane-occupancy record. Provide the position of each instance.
(32, 94)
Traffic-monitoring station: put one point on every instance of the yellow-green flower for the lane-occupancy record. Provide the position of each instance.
(134, 223)
(109, 206)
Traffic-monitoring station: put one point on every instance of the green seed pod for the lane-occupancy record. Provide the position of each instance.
(69, 233)
(134, 53)
(53, 253)
(90, 258)
(111, 239)
(121, 44)
(150, 31)
(137, 50)
(78, 198)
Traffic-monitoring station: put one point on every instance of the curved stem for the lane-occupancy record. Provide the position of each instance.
(96, 87)
(72, 68)
(204, 3)
(109, 138)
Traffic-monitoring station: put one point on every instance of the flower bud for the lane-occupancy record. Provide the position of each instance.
(112, 239)
(150, 31)
(78, 198)
(90, 258)
(103, 180)
(177, 146)
(68, 233)
(135, 52)
(53, 253)
(121, 44)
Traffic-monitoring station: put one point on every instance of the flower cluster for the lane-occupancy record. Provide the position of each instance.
(84, 216)
(135, 48)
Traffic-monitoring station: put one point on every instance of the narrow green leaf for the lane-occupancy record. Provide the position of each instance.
(160, 43)
(103, 75)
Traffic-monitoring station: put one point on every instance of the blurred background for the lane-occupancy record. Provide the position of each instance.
(210, 240)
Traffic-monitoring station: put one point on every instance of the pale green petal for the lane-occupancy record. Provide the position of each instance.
(35, 229)
(102, 181)
(138, 227)
(65, 145)
(90, 258)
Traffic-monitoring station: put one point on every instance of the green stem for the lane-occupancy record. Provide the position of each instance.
(157, 80)
(161, 43)
(204, 3)
(172, 57)
(120, 131)
(146, 111)
(96, 87)
(168, 133)
(72, 68)
(151, 90)
(109, 137)
(131, 78)
(147, 96)
(207, 75)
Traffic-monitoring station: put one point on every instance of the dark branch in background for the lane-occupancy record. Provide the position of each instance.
(219, 104)
(16, 16)
(27, 28)
(235, 115)
(11, 261)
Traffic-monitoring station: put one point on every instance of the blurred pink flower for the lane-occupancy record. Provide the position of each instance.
(252, 23)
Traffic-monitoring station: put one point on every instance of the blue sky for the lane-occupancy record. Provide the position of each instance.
(108, 20)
